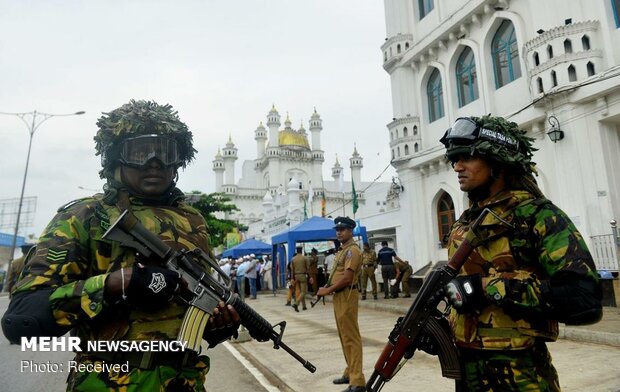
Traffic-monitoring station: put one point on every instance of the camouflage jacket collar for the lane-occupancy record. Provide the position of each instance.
(501, 203)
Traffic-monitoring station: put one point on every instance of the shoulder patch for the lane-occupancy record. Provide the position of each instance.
(65, 207)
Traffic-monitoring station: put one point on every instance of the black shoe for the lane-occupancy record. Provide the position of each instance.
(374, 296)
(296, 307)
(341, 380)
(353, 388)
(304, 308)
(363, 297)
(288, 304)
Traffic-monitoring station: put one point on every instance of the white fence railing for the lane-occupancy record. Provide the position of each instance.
(604, 252)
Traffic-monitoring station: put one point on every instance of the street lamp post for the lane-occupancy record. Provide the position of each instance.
(33, 123)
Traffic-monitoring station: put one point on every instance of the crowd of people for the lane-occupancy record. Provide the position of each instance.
(249, 274)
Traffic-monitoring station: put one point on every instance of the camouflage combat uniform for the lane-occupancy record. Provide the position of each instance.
(72, 258)
(503, 347)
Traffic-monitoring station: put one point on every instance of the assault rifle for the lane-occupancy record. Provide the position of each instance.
(423, 319)
(206, 290)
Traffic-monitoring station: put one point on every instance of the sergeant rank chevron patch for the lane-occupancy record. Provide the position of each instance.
(56, 255)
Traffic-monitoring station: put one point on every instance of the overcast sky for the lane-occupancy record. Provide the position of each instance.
(221, 64)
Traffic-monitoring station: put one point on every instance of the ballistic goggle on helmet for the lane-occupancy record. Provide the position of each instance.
(492, 137)
(138, 151)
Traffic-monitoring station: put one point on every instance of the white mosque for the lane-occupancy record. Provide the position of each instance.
(285, 183)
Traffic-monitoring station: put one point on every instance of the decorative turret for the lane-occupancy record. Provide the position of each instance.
(301, 129)
(356, 161)
(316, 126)
(273, 122)
(218, 168)
(287, 123)
(230, 156)
(336, 170)
(260, 135)
(268, 206)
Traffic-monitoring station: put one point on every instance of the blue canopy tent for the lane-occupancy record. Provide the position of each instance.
(247, 247)
(313, 229)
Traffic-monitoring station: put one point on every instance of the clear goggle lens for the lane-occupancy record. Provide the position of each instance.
(463, 128)
(140, 150)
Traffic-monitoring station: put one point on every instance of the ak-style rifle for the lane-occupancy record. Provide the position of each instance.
(424, 318)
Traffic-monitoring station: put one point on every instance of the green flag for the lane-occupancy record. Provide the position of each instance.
(355, 203)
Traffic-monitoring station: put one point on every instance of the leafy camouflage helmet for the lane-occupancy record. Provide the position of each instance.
(493, 138)
(138, 118)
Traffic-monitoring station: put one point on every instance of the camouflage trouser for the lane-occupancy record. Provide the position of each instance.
(527, 370)
(158, 379)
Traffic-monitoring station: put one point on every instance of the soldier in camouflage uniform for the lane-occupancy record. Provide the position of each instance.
(532, 270)
(76, 280)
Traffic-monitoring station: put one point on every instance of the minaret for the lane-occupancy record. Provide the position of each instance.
(293, 192)
(273, 122)
(336, 170)
(317, 154)
(260, 135)
(230, 156)
(218, 168)
(315, 128)
(356, 161)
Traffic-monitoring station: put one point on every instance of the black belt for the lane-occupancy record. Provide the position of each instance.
(353, 286)
(145, 359)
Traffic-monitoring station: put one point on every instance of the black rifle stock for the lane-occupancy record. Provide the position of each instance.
(206, 290)
(423, 318)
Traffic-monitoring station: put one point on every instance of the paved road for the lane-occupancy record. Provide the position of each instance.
(227, 374)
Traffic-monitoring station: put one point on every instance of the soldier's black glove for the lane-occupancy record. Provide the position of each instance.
(465, 293)
(150, 286)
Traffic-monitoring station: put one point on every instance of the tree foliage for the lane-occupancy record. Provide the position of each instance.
(209, 205)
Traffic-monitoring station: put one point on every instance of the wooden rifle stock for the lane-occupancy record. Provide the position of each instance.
(422, 319)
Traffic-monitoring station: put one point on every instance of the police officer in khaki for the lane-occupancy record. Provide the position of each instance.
(299, 278)
(313, 269)
(369, 264)
(347, 268)
(403, 273)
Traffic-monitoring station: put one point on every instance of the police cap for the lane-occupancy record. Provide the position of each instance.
(344, 222)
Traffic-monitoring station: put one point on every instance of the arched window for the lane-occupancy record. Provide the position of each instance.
(392, 153)
(425, 6)
(568, 46)
(434, 96)
(536, 59)
(405, 132)
(406, 149)
(554, 79)
(505, 55)
(416, 147)
(549, 52)
(398, 152)
(585, 42)
(572, 73)
(539, 83)
(415, 130)
(406, 45)
(590, 68)
(384, 56)
(398, 48)
(445, 217)
(466, 77)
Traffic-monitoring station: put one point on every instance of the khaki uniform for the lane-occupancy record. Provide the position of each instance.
(405, 271)
(313, 270)
(369, 264)
(346, 309)
(299, 267)
(16, 269)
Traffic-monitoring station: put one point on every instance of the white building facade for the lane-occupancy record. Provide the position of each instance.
(285, 183)
(549, 65)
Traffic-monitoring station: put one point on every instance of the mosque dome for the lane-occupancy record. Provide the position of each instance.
(293, 139)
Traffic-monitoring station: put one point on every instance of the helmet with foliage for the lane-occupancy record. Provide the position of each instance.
(493, 138)
(140, 118)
